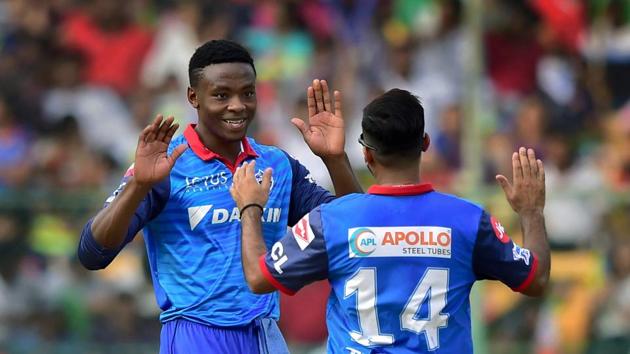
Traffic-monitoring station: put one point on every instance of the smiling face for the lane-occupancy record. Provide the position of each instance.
(225, 99)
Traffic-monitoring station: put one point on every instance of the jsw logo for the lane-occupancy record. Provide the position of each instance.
(221, 215)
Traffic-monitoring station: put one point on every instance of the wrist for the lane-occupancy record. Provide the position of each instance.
(334, 158)
(533, 213)
(251, 209)
(143, 187)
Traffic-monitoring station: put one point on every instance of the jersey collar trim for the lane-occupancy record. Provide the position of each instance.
(408, 189)
(206, 154)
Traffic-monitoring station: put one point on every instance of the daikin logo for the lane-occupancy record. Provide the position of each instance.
(196, 214)
(221, 215)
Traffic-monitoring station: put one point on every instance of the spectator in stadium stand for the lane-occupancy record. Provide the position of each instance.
(113, 45)
(177, 190)
(409, 253)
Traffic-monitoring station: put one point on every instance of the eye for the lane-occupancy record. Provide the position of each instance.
(250, 94)
(220, 95)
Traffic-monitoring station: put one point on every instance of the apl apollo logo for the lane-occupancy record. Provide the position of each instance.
(362, 242)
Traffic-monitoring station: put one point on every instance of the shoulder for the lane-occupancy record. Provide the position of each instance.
(262, 149)
(454, 201)
(345, 201)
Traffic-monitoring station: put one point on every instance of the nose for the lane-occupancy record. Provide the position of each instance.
(236, 105)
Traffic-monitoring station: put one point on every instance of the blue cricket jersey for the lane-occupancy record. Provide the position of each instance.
(192, 231)
(401, 261)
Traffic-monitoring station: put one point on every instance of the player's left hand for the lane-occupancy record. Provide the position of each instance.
(526, 193)
(245, 188)
(324, 133)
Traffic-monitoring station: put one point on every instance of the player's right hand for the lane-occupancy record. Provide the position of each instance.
(152, 163)
(245, 188)
(526, 193)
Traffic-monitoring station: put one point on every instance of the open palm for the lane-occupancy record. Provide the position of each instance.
(152, 164)
(324, 133)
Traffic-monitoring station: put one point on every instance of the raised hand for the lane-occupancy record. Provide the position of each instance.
(245, 188)
(527, 192)
(152, 163)
(324, 133)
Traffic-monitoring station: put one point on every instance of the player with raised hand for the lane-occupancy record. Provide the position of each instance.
(401, 259)
(177, 193)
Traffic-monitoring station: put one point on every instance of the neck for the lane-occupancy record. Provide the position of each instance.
(384, 176)
(227, 149)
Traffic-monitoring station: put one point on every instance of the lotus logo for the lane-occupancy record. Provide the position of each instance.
(362, 242)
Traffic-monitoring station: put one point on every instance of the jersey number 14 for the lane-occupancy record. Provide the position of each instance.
(434, 283)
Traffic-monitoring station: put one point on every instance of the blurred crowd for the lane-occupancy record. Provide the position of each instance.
(79, 79)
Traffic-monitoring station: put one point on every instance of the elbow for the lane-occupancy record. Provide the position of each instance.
(258, 284)
(257, 289)
(89, 264)
(90, 254)
(539, 286)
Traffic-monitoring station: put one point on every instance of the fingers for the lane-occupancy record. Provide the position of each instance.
(144, 134)
(337, 97)
(238, 173)
(177, 152)
(517, 170)
(310, 101)
(505, 184)
(159, 129)
(249, 170)
(541, 171)
(319, 100)
(522, 155)
(233, 193)
(170, 133)
(152, 129)
(266, 180)
(531, 159)
(164, 128)
(327, 105)
(301, 125)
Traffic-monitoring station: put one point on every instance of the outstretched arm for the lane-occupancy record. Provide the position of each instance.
(324, 133)
(110, 226)
(526, 195)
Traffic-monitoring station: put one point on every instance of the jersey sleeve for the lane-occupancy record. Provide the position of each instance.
(94, 256)
(305, 193)
(497, 257)
(299, 258)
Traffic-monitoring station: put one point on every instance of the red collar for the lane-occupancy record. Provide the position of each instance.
(206, 154)
(408, 189)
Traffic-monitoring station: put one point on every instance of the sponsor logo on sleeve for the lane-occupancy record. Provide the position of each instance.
(116, 193)
(278, 256)
(303, 233)
(128, 173)
(309, 178)
(521, 253)
(499, 230)
(407, 241)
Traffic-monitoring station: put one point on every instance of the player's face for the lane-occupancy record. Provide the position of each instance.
(225, 99)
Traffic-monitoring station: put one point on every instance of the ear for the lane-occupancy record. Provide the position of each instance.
(368, 156)
(426, 141)
(192, 97)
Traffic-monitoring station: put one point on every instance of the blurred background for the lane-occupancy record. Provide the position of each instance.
(79, 79)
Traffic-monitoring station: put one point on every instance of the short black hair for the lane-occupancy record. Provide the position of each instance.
(216, 52)
(394, 124)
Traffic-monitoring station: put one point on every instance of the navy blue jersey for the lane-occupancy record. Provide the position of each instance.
(192, 231)
(401, 261)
